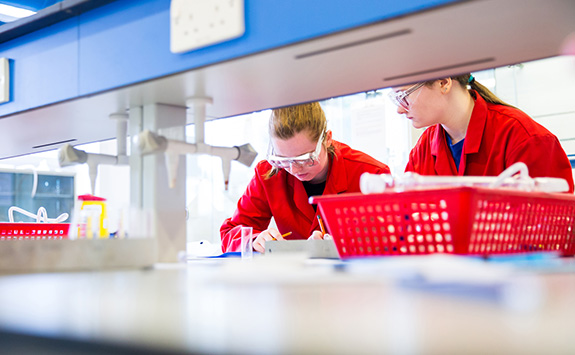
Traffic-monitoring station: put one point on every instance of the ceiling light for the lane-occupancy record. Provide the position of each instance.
(11, 13)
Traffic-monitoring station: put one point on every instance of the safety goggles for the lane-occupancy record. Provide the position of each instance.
(400, 97)
(307, 159)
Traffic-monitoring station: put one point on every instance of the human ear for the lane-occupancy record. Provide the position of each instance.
(328, 139)
(445, 85)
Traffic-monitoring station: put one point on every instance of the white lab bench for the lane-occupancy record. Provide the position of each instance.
(281, 305)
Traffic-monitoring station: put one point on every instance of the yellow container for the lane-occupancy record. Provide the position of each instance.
(94, 218)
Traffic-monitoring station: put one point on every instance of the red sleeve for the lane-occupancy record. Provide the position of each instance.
(544, 157)
(414, 164)
(410, 167)
(252, 210)
(382, 170)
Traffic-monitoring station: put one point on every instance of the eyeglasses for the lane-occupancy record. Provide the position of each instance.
(400, 97)
(307, 159)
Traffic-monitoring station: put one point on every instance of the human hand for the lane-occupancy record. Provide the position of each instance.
(319, 235)
(268, 234)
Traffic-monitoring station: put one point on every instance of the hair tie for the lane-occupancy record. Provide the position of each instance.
(471, 79)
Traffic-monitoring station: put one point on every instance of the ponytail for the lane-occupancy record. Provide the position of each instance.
(467, 80)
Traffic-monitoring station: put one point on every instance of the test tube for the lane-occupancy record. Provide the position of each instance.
(247, 243)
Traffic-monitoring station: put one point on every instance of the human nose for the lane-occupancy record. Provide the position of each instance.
(401, 110)
(295, 168)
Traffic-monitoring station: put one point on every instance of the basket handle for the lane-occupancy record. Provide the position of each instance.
(41, 216)
(519, 172)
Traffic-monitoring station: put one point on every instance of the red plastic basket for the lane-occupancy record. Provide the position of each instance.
(462, 220)
(16, 231)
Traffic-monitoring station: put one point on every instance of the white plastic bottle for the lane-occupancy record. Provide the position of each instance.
(375, 183)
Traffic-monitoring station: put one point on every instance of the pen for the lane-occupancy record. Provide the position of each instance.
(283, 235)
(321, 226)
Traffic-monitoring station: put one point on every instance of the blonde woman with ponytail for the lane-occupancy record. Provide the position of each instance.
(472, 132)
(303, 160)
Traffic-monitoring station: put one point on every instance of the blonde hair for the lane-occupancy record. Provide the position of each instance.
(286, 122)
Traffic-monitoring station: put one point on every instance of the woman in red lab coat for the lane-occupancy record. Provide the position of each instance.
(303, 161)
(472, 132)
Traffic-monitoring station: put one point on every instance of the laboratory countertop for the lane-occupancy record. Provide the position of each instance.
(292, 305)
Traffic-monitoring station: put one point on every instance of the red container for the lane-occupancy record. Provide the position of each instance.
(37, 231)
(462, 220)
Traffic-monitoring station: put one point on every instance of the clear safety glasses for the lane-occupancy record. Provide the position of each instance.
(400, 97)
(307, 159)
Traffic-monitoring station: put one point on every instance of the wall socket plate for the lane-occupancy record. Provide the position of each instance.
(4, 80)
(199, 23)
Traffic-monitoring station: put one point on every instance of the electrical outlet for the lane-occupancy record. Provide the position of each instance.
(199, 23)
(4, 80)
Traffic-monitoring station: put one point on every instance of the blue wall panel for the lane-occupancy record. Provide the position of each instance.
(124, 43)
(127, 41)
(44, 67)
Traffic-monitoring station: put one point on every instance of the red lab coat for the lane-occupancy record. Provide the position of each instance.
(284, 197)
(497, 137)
